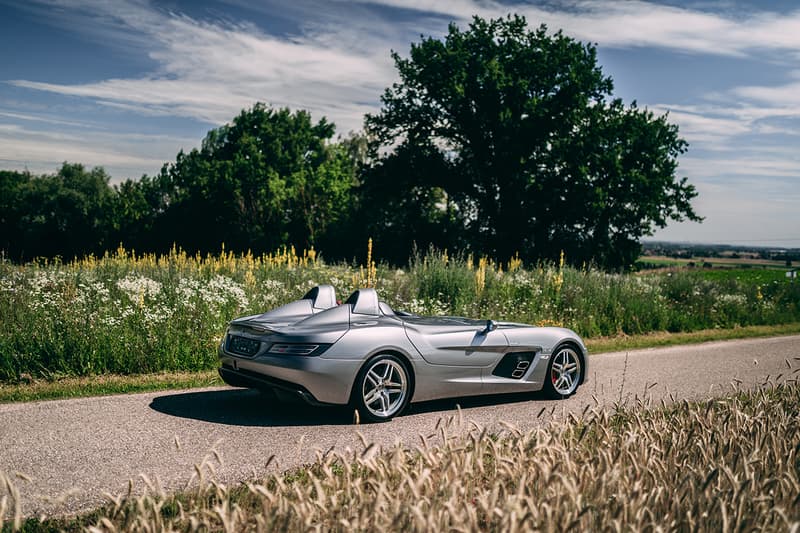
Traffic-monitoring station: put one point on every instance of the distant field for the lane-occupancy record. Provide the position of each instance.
(746, 275)
(725, 262)
(745, 270)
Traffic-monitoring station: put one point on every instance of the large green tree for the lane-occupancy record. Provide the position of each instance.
(139, 212)
(12, 185)
(507, 139)
(269, 178)
(63, 214)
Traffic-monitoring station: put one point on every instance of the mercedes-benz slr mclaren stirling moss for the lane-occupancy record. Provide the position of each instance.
(365, 354)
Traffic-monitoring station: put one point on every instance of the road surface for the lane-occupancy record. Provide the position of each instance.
(73, 452)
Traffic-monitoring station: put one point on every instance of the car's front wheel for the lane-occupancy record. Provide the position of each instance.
(564, 373)
(382, 388)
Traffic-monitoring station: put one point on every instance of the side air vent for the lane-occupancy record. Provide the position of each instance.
(514, 365)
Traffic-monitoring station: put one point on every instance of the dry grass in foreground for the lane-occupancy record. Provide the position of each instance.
(730, 464)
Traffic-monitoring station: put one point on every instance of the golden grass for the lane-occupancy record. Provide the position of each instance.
(729, 464)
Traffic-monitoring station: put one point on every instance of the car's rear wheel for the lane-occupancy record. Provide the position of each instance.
(564, 373)
(382, 388)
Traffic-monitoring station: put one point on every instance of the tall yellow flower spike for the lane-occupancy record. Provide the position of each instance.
(558, 278)
(480, 275)
(367, 276)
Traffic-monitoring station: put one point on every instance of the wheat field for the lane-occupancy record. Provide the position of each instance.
(726, 464)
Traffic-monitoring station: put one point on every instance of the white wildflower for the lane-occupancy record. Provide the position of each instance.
(229, 290)
(138, 287)
(738, 300)
(272, 285)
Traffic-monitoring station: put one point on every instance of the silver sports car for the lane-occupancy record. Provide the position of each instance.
(365, 354)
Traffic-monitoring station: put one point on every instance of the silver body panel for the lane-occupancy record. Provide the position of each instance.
(446, 356)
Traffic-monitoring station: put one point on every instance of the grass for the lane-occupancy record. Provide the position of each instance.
(84, 386)
(76, 387)
(658, 339)
(126, 314)
(726, 464)
(753, 276)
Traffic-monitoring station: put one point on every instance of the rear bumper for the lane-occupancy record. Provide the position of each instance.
(245, 378)
(315, 379)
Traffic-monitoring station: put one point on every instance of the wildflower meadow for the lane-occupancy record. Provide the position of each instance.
(125, 313)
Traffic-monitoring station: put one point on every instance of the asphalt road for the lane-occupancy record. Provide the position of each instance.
(73, 452)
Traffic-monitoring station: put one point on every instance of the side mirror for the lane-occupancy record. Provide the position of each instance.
(491, 325)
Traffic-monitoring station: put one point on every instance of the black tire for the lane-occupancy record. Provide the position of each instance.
(564, 372)
(382, 388)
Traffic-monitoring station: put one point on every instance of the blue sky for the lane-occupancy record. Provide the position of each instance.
(126, 84)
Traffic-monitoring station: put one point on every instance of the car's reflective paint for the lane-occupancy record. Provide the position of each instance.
(439, 356)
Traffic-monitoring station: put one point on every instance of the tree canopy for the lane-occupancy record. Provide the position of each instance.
(509, 141)
(67, 213)
(267, 179)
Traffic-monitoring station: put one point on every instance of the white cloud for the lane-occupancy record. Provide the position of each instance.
(40, 118)
(783, 97)
(703, 126)
(637, 23)
(122, 155)
(210, 71)
(711, 126)
(749, 197)
(748, 165)
(740, 212)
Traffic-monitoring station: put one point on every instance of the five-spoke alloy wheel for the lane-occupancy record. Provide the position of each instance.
(382, 388)
(564, 374)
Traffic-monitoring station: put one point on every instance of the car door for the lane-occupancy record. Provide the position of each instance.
(456, 342)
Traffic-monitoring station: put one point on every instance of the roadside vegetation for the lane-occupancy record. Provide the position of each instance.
(142, 314)
(27, 390)
(726, 464)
